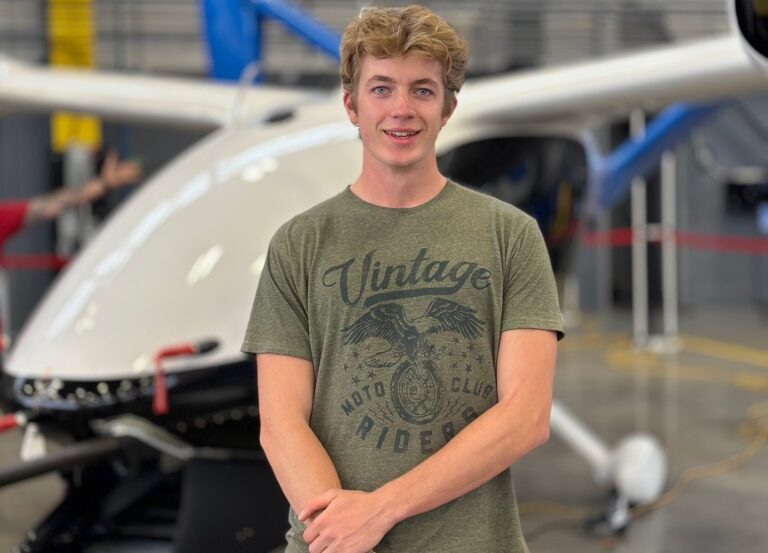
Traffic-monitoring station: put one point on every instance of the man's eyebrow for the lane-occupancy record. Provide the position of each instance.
(385, 79)
(381, 78)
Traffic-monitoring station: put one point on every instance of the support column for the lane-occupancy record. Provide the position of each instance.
(639, 245)
(669, 249)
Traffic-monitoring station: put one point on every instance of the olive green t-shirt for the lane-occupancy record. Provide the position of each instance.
(400, 312)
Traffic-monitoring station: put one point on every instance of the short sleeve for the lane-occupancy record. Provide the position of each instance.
(12, 215)
(530, 292)
(279, 321)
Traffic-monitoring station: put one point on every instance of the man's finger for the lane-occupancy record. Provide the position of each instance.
(318, 546)
(110, 160)
(126, 172)
(316, 504)
(310, 534)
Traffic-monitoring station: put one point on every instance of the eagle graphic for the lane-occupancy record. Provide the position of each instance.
(409, 338)
(417, 391)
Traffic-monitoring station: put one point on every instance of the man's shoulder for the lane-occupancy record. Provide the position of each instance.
(312, 220)
(473, 201)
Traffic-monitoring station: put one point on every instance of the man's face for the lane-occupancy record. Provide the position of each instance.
(399, 107)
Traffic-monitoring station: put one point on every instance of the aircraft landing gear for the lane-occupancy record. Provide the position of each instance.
(636, 469)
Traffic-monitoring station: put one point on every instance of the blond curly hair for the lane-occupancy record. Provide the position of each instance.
(394, 32)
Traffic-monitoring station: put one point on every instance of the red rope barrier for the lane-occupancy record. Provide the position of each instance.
(622, 237)
(741, 244)
(616, 238)
(33, 262)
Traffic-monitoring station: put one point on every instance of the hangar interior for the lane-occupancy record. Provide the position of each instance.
(691, 372)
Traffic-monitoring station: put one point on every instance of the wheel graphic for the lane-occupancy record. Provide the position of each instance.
(417, 391)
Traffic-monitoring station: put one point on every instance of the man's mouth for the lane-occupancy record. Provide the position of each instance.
(402, 134)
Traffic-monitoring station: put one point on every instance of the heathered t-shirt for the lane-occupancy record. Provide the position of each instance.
(400, 312)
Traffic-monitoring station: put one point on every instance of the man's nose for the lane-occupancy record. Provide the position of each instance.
(402, 104)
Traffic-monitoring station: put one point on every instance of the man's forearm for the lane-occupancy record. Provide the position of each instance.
(507, 431)
(300, 462)
(485, 448)
(114, 174)
(494, 441)
(50, 206)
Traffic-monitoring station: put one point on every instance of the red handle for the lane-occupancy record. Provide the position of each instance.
(160, 397)
(8, 422)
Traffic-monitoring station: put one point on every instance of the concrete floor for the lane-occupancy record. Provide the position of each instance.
(697, 402)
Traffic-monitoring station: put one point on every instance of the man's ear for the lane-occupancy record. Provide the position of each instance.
(349, 106)
(452, 108)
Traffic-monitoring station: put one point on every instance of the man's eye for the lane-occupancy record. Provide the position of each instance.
(379, 89)
(423, 92)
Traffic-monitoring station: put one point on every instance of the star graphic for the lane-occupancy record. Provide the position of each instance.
(345, 367)
(450, 354)
(469, 368)
(454, 365)
(371, 375)
(355, 380)
(479, 358)
(471, 346)
(456, 340)
(464, 354)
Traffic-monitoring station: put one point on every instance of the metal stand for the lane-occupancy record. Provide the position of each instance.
(671, 328)
(642, 232)
(75, 227)
(639, 245)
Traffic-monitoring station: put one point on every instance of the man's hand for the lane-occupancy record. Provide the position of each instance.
(350, 522)
(116, 173)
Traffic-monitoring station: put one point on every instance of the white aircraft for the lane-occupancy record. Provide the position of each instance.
(134, 354)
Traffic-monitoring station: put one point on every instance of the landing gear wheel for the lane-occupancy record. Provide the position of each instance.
(614, 520)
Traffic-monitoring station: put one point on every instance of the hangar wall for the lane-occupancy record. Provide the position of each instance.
(163, 35)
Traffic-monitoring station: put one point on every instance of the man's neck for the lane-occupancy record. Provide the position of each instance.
(408, 188)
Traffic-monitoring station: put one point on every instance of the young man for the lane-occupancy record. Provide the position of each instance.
(406, 329)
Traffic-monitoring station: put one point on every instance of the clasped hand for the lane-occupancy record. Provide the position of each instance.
(343, 521)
